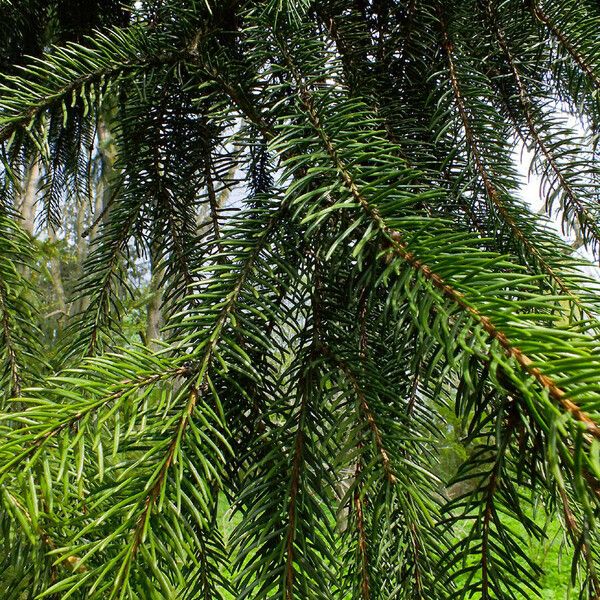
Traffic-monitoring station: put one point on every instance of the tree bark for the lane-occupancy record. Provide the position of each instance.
(26, 206)
(154, 316)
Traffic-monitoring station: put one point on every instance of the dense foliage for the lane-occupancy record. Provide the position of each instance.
(341, 277)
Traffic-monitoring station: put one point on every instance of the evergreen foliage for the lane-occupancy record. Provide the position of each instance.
(373, 278)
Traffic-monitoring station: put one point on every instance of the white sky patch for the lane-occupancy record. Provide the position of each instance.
(532, 194)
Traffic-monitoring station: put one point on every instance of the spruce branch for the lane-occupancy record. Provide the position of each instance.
(492, 192)
(579, 59)
(586, 219)
(399, 247)
(74, 68)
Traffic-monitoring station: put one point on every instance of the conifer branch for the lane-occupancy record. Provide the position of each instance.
(365, 587)
(292, 508)
(213, 202)
(492, 192)
(400, 248)
(13, 362)
(370, 274)
(38, 441)
(563, 40)
(526, 104)
(156, 489)
(365, 411)
(75, 67)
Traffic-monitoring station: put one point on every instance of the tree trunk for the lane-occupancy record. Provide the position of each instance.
(60, 300)
(154, 317)
(27, 205)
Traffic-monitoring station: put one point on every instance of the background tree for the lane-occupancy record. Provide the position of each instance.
(346, 278)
